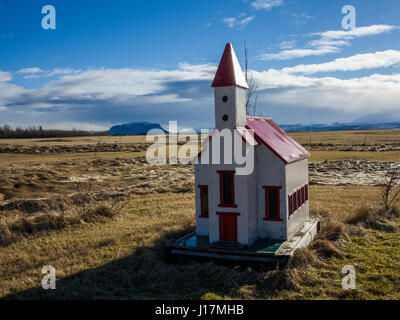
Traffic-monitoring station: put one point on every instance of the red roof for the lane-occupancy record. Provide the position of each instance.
(278, 141)
(229, 72)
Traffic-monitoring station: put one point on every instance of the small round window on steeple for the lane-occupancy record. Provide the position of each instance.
(225, 117)
(225, 98)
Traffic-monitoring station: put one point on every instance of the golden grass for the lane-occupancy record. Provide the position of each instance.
(124, 257)
(26, 159)
(388, 156)
(93, 245)
(74, 141)
(333, 137)
(348, 137)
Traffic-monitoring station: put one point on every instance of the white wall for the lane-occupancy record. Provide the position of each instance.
(234, 107)
(245, 199)
(200, 178)
(250, 197)
(270, 171)
(296, 176)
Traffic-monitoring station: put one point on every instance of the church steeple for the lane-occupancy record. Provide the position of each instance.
(230, 92)
(229, 72)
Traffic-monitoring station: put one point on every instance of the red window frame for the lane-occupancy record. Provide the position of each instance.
(266, 217)
(306, 192)
(301, 195)
(221, 191)
(202, 215)
(292, 205)
(298, 198)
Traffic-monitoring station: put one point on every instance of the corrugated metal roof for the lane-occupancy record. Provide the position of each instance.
(278, 141)
(229, 72)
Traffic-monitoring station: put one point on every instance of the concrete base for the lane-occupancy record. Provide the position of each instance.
(301, 239)
(261, 251)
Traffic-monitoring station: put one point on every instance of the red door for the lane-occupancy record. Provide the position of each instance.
(227, 227)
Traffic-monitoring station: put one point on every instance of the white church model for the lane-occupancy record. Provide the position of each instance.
(272, 201)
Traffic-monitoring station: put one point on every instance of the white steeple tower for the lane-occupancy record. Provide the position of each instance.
(230, 92)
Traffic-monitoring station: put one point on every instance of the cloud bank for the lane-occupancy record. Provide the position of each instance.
(328, 42)
(266, 4)
(98, 98)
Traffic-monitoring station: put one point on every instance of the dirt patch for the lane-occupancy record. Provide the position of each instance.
(374, 218)
(54, 149)
(352, 147)
(350, 172)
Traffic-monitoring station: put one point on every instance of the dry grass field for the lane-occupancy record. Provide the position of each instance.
(100, 214)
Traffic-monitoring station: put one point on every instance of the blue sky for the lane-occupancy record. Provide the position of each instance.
(111, 62)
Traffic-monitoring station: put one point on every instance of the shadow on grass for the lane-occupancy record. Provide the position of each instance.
(150, 273)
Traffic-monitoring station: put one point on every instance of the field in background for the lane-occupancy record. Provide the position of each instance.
(73, 141)
(107, 254)
(383, 137)
(334, 137)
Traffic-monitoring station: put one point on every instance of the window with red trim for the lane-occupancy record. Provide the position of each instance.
(293, 203)
(298, 199)
(302, 196)
(227, 189)
(272, 203)
(306, 195)
(203, 201)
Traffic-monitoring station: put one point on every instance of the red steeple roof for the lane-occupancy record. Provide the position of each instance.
(229, 72)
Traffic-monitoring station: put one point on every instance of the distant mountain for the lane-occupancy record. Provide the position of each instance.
(141, 128)
(376, 121)
(342, 126)
(379, 118)
(134, 128)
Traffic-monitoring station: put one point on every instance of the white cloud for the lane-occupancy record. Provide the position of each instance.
(302, 15)
(101, 97)
(5, 76)
(297, 53)
(35, 72)
(76, 125)
(238, 22)
(357, 32)
(379, 59)
(266, 4)
(287, 44)
(375, 93)
(328, 42)
(118, 85)
(59, 71)
(29, 70)
(230, 22)
(109, 96)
